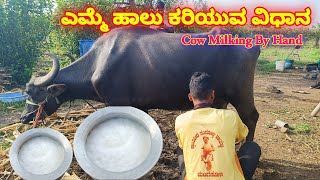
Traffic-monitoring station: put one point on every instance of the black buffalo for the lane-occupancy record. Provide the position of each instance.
(145, 68)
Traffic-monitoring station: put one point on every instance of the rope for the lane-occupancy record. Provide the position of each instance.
(40, 111)
(65, 117)
(90, 105)
(38, 115)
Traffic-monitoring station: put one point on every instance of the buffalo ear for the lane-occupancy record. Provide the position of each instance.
(56, 89)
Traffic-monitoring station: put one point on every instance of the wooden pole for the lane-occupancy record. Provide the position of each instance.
(316, 110)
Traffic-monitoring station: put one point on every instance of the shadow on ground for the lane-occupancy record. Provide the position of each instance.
(281, 169)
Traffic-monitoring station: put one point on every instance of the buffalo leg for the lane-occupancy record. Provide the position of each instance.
(248, 114)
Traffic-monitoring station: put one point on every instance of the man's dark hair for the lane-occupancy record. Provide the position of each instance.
(200, 85)
(160, 5)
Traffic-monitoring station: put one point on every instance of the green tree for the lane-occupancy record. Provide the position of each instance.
(24, 26)
(65, 39)
(316, 35)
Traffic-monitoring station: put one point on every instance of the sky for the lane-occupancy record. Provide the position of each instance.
(288, 5)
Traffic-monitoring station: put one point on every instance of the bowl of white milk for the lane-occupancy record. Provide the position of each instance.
(118, 142)
(41, 153)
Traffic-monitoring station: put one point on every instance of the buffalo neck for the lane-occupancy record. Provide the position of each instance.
(77, 78)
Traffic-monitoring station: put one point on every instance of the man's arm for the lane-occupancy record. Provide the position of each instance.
(163, 28)
(166, 25)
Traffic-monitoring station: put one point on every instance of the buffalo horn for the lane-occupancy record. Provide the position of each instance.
(72, 59)
(49, 78)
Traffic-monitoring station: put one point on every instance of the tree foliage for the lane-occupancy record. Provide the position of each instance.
(24, 26)
(66, 39)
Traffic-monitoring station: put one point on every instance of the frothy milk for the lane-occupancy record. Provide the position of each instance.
(41, 155)
(118, 145)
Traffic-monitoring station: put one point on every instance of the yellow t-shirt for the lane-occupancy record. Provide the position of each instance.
(207, 137)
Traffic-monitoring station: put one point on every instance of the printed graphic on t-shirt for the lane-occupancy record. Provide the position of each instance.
(207, 157)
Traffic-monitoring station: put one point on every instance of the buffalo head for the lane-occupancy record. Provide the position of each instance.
(41, 90)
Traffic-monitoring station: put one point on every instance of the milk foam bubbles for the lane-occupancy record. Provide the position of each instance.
(118, 145)
(41, 155)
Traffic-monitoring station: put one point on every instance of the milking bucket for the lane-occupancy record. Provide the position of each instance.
(41, 154)
(280, 65)
(118, 143)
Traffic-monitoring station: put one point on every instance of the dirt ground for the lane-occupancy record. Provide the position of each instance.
(298, 158)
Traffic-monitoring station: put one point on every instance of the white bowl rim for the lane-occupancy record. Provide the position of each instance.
(96, 118)
(36, 132)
